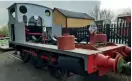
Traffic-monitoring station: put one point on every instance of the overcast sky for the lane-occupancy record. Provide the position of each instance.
(79, 6)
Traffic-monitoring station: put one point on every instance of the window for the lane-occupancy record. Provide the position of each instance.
(24, 18)
(12, 11)
(13, 14)
(33, 21)
(47, 13)
(23, 9)
(12, 32)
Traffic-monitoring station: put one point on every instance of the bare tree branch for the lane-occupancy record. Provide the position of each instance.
(127, 11)
(102, 14)
(95, 12)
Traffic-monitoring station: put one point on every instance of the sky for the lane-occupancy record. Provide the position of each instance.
(116, 6)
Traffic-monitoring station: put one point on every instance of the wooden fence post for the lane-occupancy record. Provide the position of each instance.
(108, 32)
(129, 35)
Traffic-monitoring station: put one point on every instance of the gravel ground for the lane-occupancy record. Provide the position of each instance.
(12, 69)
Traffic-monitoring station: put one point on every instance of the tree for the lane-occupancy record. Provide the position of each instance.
(4, 30)
(106, 14)
(99, 14)
(126, 11)
(95, 12)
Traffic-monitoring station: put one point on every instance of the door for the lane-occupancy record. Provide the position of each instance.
(12, 32)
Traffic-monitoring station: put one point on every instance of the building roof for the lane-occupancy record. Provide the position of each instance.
(124, 15)
(72, 14)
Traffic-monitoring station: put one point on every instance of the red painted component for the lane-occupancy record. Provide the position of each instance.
(124, 32)
(26, 29)
(128, 19)
(54, 60)
(34, 54)
(123, 54)
(1, 35)
(44, 38)
(102, 63)
(91, 64)
(127, 50)
(98, 38)
(101, 60)
(66, 42)
(28, 51)
(101, 38)
(31, 52)
(29, 33)
(46, 58)
(85, 46)
(92, 38)
(43, 57)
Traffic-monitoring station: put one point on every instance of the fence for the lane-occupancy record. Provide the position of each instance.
(80, 33)
(120, 34)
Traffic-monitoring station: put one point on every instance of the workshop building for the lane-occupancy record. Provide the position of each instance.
(71, 19)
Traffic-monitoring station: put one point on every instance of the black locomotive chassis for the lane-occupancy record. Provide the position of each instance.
(70, 61)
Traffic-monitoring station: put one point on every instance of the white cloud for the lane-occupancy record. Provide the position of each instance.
(115, 4)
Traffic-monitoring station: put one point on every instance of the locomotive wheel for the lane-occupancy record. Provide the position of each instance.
(58, 73)
(25, 57)
(36, 61)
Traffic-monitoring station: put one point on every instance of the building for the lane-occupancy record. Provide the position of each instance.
(71, 19)
(124, 19)
(99, 22)
(103, 22)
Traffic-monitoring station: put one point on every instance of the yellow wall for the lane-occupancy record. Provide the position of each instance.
(58, 18)
(73, 22)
